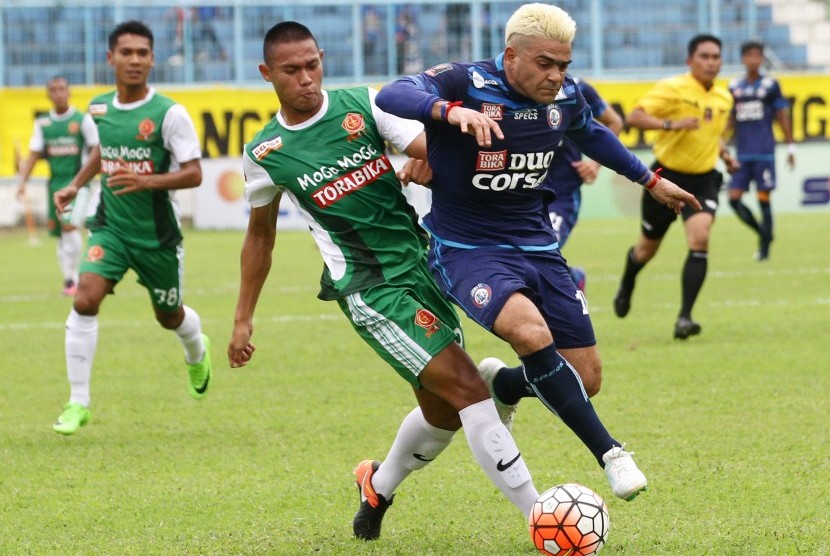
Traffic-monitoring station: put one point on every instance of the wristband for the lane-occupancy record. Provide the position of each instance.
(791, 148)
(666, 125)
(655, 177)
(445, 108)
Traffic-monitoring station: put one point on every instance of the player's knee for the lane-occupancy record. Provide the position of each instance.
(84, 304)
(169, 321)
(529, 337)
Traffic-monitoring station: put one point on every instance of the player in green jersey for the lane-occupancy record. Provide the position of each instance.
(148, 149)
(62, 137)
(325, 151)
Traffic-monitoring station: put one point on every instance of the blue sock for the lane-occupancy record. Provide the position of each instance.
(559, 387)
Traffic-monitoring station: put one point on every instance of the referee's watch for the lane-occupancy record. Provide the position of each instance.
(666, 125)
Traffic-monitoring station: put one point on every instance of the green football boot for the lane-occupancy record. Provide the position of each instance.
(74, 416)
(200, 372)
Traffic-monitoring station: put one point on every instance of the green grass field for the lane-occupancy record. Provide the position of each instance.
(731, 427)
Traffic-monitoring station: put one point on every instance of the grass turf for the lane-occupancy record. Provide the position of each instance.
(731, 427)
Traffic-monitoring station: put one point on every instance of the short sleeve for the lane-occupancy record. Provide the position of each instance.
(260, 189)
(180, 135)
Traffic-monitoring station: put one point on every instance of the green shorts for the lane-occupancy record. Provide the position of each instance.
(159, 269)
(406, 321)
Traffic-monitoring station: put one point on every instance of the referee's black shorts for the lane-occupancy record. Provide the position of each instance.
(657, 218)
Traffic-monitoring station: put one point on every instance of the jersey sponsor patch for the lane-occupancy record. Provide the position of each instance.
(140, 167)
(440, 68)
(351, 182)
(74, 128)
(261, 150)
(62, 150)
(478, 80)
(98, 109)
(428, 321)
(492, 111)
(491, 161)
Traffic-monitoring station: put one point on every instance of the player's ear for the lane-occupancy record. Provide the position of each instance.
(321, 52)
(265, 72)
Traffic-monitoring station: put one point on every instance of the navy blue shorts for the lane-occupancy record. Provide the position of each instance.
(481, 280)
(564, 214)
(762, 172)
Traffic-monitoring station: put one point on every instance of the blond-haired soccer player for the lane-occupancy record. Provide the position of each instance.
(493, 127)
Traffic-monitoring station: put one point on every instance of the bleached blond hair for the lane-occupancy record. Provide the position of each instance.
(541, 20)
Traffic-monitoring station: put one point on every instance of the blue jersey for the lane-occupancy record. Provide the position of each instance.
(562, 178)
(756, 103)
(493, 196)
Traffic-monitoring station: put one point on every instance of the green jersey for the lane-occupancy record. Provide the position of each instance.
(151, 136)
(62, 138)
(334, 169)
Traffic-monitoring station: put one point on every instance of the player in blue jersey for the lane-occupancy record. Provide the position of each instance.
(569, 171)
(758, 102)
(493, 250)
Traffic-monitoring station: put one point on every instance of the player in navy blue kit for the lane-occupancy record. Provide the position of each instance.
(569, 171)
(493, 250)
(758, 102)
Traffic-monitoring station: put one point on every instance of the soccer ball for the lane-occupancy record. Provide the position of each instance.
(569, 520)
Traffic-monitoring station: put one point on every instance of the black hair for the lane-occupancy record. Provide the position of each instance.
(57, 77)
(752, 45)
(285, 31)
(130, 28)
(697, 39)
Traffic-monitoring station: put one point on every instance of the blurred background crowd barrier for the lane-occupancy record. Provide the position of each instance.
(377, 40)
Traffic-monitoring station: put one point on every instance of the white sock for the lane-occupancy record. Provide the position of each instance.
(190, 335)
(497, 454)
(416, 444)
(81, 341)
(71, 244)
(62, 259)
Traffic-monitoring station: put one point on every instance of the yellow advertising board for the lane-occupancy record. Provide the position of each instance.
(226, 117)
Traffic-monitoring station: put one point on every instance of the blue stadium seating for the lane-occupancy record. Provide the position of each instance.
(42, 39)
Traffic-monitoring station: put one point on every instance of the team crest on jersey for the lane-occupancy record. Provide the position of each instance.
(481, 295)
(146, 127)
(354, 125)
(440, 68)
(707, 114)
(97, 109)
(428, 321)
(95, 253)
(74, 128)
(554, 116)
(261, 150)
(493, 111)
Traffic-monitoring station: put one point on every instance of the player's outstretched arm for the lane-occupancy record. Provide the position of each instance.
(255, 263)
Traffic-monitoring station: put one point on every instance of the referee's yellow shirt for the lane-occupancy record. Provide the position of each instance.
(691, 151)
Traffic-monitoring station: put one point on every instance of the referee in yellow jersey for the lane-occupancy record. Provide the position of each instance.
(692, 113)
